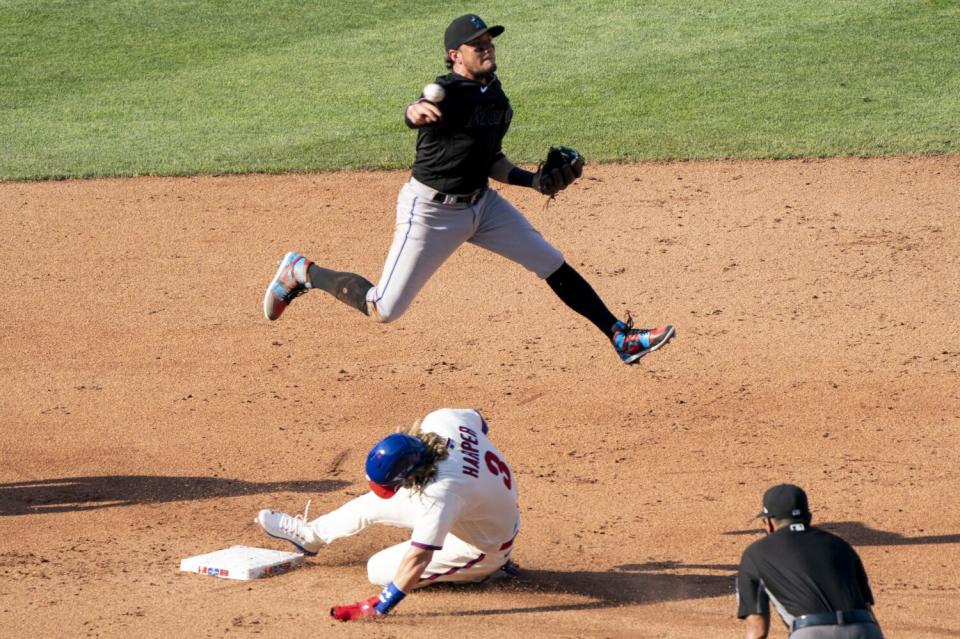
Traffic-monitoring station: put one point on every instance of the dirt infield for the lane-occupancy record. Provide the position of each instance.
(149, 410)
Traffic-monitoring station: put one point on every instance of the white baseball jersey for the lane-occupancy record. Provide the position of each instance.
(474, 495)
(468, 515)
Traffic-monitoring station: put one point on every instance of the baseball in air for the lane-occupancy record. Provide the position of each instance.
(434, 92)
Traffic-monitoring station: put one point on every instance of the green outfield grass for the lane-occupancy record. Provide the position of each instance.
(133, 87)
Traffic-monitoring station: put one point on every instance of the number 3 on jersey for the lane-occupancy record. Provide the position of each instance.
(497, 467)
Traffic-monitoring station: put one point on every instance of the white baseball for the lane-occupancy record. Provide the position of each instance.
(434, 92)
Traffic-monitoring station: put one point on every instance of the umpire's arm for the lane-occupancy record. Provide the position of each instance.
(753, 604)
(757, 626)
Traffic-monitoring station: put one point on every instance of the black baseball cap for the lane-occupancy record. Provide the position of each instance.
(467, 28)
(785, 501)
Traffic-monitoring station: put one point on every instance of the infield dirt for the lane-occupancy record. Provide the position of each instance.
(149, 410)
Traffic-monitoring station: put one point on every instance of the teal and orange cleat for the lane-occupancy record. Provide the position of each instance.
(286, 285)
(633, 343)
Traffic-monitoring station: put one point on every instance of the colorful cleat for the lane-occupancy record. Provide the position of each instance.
(633, 343)
(293, 529)
(286, 285)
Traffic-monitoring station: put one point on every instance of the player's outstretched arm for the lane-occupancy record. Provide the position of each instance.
(421, 113)
(504, 170)
(411, 568)
(561, 168)
(408, 575)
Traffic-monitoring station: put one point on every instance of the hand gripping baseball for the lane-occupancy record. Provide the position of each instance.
(365, 609)
(561, 168)
(423, 113)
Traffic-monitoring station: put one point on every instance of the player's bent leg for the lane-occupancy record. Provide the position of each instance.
(389, 312)
(505, 231)
(633, 343)
(382, 566)
(296, 275)
(425, 235)
(349, 288)
(288, 283)
(460, 562)
(577, 293)
(456, 562)
(289, 528)
(364, 511)
(629, 343)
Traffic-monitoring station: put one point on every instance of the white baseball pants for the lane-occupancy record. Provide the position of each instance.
(428, 232)
(457, 561)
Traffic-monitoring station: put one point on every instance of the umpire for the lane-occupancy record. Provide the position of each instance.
(814, 579)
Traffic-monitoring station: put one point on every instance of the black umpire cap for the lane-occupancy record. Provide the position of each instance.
(467, 28)
(785, 501)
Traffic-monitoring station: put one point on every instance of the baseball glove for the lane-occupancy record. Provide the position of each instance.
(561, 168)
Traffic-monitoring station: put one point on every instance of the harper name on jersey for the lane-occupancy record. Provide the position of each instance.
(471, 454)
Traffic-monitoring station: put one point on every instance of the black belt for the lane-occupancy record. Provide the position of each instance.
(450, 199)
(838, 618)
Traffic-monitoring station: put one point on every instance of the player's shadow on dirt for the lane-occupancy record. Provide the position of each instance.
(859, 535)
(628, 584)
(89, 493)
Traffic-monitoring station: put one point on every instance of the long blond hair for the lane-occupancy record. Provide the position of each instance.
(437, 451)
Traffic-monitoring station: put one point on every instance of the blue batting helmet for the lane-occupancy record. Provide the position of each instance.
(391, 460)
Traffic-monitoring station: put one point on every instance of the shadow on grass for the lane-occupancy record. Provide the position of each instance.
(70, 494)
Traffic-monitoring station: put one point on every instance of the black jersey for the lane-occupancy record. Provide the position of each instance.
(455, 154)
(802, 570)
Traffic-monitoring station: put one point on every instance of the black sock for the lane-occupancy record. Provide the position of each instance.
(580, 296)
(349, 288)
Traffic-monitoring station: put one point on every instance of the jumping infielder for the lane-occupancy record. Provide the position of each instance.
(448, 483)
(448, 202)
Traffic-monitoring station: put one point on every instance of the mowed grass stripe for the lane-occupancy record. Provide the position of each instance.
(133, 88)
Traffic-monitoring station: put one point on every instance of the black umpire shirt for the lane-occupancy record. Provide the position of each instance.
(802, 570)
(455, 154)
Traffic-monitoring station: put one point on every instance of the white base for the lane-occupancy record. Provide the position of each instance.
(242, 562)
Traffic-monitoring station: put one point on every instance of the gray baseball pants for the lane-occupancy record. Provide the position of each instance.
(428, 232)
